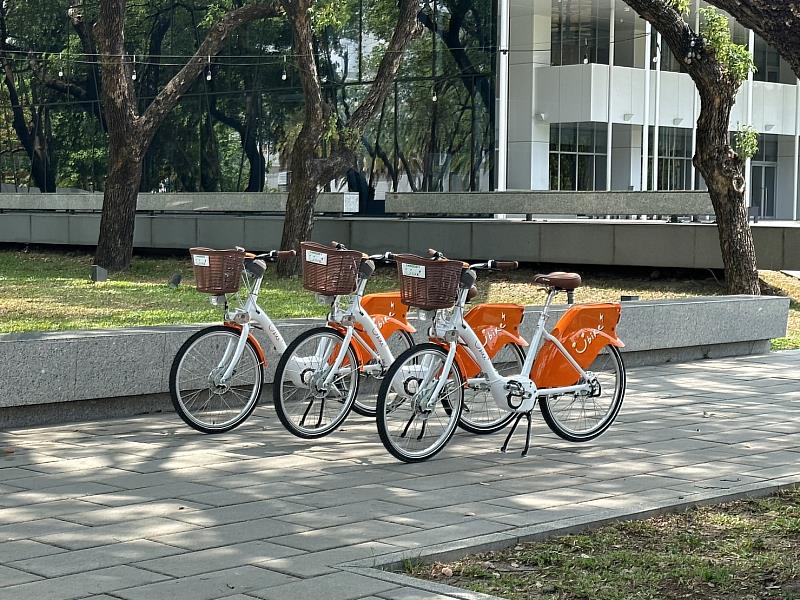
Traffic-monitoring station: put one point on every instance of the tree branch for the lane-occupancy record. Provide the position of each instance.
(168, 97)
(776, 21)
(407, 28)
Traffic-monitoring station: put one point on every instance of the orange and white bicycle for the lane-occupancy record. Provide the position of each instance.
(328, 370)
(577, 376)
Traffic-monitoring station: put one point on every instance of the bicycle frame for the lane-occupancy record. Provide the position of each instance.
(244, 318)
(519, 393)
(352, 321)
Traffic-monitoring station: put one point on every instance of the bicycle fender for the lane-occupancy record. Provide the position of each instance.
(389, 325)
(494, 338)
(551, 369)
(262, 357)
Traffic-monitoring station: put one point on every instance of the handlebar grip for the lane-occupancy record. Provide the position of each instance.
(285, 254)
(506, 265)
(338, 245)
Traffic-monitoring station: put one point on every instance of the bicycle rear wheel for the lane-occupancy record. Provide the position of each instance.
(199, 397)
(580, 418)
(413, 425)
(307, 406)
(367, 398)
(481, 414)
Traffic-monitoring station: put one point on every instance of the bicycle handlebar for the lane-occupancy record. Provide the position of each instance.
(275, 255)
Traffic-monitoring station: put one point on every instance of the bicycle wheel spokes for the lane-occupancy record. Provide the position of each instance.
(312, 394)
(481, 413)
(367, 399)
(200, 395)
(413, 424)
(581, 417)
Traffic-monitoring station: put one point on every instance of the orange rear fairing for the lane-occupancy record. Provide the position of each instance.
(584, 330)
(495, 325)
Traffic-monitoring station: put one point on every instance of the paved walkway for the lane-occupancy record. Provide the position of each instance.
(145, 509)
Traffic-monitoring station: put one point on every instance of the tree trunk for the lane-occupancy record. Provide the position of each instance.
(299, 220)
(129, 133)
(209, 156)
(721, 167)
(723, 172)
(115, 247)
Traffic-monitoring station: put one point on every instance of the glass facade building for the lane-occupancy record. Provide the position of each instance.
(597, 102)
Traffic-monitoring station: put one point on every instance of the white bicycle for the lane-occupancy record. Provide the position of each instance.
(217, 374)
(577, 376)
(329, 370)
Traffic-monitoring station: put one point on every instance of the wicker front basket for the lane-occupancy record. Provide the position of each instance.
(329, 271)
(426, 283)
(217, 271)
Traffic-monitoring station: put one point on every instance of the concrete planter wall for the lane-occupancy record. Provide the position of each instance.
(79, 374)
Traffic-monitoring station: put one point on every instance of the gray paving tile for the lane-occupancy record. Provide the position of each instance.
(80, 585)
(314, 564)
(90, 537)
(22, 549)
(346, 513)
(56, 565)
(209, 586)
(234, 533)
(11, 576)
(448, 533)
(343, 535)
(223, 557)
(336, 586)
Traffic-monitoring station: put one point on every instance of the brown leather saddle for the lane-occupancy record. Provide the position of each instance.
(559, 280)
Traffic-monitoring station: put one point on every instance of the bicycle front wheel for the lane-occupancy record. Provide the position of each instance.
(412, 423)
(367, 398)
(200, 396)
(481, 413)
(583, 417)
(310, 398)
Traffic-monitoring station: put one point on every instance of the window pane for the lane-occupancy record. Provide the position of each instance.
(554, 171)
(600, 138)
(567, 175)
(600, 173)
(585, 137)
(585, 172)
(569, 133)
(554, 136)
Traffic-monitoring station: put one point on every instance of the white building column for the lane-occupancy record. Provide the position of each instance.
(696, 107)
(654, 185)
(646, 119)
(796, 150)
(610, 121)
(502, 96)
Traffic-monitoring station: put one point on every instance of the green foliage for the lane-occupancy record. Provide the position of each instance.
(745, 141)
(335, 14)
(735, 59)
(682, 6)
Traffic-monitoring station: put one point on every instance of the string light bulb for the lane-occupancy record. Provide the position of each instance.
(133, 75)
(283, 75)
(434, 97)
(208, 71)
(60, 65)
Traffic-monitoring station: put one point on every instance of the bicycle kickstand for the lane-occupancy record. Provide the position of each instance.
(504, 447)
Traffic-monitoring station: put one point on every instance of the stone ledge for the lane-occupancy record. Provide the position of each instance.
(550, 203)
(53, 367)
(342, 202)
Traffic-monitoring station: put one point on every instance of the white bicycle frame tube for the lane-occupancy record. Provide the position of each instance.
(255, 314)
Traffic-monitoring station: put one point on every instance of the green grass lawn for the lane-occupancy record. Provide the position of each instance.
(48, 291)
(736, 551)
